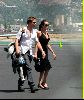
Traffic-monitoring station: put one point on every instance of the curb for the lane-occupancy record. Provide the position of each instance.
(66, 43)
(5, 43)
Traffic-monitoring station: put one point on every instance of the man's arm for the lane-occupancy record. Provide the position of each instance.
(36, 49)
(17, 40)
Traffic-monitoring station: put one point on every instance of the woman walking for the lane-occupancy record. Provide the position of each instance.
(45, 65)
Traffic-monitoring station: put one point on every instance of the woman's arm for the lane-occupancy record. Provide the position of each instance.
(50, 48)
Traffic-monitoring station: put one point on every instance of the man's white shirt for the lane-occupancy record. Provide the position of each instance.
(27, 42)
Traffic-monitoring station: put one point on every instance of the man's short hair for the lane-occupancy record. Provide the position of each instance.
(30, 19)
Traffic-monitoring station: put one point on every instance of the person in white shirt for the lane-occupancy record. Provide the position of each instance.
(27, 38)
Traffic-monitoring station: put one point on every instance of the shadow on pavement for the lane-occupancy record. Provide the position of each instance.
(8, 91)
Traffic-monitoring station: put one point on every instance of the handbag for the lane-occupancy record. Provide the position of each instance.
(38, 64)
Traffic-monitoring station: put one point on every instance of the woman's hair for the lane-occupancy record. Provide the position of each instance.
(42, 24)
(30, 19)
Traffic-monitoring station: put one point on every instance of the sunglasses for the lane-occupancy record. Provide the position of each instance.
(46, 25)
(34, 22)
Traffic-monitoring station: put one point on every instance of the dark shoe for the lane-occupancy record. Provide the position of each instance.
(33, 89)
(20, 89)
(20, 85)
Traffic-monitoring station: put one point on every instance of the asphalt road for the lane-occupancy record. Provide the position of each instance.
(64, 79)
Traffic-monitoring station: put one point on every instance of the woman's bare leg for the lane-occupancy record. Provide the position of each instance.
(41, 79)
(45, 78)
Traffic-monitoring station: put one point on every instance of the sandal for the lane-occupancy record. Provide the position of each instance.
(41, 86)
(45, 86)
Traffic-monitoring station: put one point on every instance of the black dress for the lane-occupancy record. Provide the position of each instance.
(44, 64)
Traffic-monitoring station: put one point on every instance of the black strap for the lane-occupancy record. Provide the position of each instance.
(21, 37)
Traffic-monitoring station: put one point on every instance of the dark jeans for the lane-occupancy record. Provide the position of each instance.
(27, 70)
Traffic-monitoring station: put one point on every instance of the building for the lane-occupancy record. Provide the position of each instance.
(59, 20)
(15, 28)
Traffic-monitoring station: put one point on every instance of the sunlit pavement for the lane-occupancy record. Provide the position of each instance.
(64, 79)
